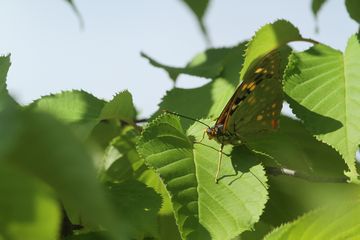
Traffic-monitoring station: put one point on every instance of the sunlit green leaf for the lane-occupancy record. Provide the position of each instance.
(77, 108)
(202, 207)
(27, 207)
(117, 166)
(322, 84)
(333, 222)
(120, 107)
(52, 153)
(121, 158)
(84, 111)
(210, 99)
(267, 38)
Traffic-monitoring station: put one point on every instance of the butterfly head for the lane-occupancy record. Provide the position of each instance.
(215, 131)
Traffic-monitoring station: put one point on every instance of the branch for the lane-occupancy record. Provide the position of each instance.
(309, 40)
(142, 120)
(311, 178)
(67, 227)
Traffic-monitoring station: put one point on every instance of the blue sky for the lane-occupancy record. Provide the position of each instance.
(51, 53)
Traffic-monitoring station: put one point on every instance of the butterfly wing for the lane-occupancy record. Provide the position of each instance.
(256, 104)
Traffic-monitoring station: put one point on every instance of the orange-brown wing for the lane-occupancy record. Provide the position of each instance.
(225, 112)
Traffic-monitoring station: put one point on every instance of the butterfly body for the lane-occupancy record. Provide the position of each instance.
(217, 132)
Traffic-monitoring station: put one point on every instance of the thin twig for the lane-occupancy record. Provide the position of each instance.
(67, 227)
(311, 178)
(310, 40)
(142, 120)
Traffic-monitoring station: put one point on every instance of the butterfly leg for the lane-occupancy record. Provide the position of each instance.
(202, 138)
(219, 163)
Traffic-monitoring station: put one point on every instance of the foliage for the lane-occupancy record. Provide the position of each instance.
(352, 6)
(316, 5)
(323, 223)
(330, 109)
(199, 9)
(189, 177)
(73, 166)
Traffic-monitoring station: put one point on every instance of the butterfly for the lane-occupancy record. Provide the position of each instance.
(254, 107)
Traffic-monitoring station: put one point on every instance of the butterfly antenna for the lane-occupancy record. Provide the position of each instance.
(263, 184)
(186, 117)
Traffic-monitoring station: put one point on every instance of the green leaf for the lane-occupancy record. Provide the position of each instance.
(332, 222)
(353, 8)
(259, 231)
(168, 228)
(120, 107)
(76, 11)
(267, 38)
(203, 208)
(50, 151)
(121, 158)
(10, 126)
(290, 197)
(116, 165)
(210, 99)
(139, 203)
(104, 132)
(207, 100)
(316, 5)
(84, 111)
(28, 207)
(322, 84)
(77, 108)
(4, 68)
(208, 64)
(122, 162)
(199, 9)
(166, 221)
(88, 236)
(166, 149)
(294, 148)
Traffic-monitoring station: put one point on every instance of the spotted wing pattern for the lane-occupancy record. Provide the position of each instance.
(256, 104)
